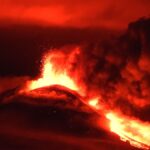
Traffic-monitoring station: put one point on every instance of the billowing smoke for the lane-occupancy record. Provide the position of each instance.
(118, 70)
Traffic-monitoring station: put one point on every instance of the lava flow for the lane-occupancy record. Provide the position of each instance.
(136, 132)
(55, 72)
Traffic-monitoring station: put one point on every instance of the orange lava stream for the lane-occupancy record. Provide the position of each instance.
(136, 132)
(130, 129)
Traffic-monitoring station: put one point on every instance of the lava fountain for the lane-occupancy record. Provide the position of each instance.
(55, 72)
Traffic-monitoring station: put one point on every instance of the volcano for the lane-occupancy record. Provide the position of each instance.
(51, 118)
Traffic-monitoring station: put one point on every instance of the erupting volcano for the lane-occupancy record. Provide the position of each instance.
(55, 72)
(82, 81)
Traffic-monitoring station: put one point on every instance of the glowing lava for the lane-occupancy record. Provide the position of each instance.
(53, 75)
(94, 103)
(130, 129)
(136, 132)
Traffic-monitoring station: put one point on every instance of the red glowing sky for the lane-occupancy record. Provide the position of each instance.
(75, 13)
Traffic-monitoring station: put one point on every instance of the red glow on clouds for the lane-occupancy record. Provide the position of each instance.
(108, 13)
